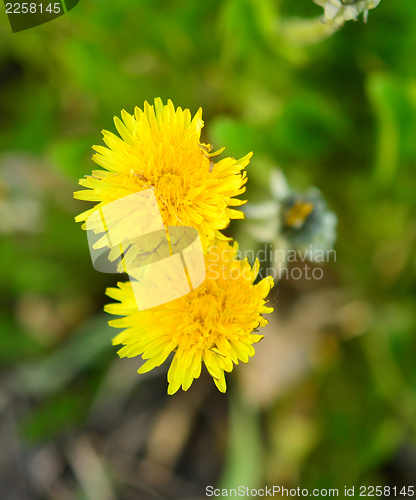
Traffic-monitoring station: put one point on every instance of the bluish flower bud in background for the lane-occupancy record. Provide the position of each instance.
(306, 220)
(293, 220)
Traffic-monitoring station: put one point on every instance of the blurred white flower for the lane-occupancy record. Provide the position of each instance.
(345, 10)
(291, 220)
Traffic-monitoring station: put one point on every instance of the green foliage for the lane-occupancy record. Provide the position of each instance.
(339, 115)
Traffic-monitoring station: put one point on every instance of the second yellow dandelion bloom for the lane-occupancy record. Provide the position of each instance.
(213, 324)
(160, 149)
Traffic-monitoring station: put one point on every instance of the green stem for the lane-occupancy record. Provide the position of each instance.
(308, 31)
(389, 378)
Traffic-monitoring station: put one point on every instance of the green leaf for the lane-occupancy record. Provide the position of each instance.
(83, 349)
(245, 450)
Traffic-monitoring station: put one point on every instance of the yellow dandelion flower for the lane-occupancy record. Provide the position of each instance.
(213, 323)
(160, 149)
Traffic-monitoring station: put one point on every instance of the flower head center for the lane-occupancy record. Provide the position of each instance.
(171, 189)
(296, 215)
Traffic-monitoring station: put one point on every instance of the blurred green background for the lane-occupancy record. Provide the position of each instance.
(329, 400)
